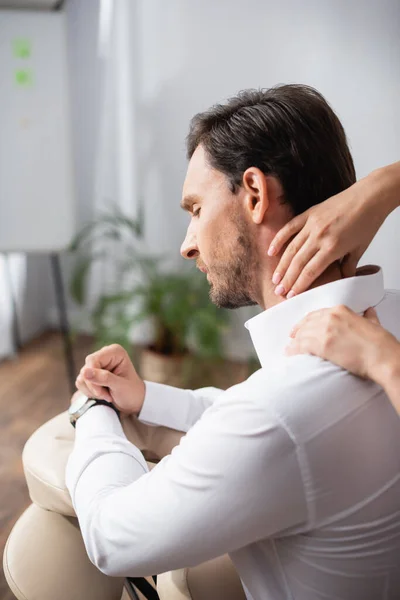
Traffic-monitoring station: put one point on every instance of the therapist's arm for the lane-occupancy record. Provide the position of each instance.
(232, 480)
(389, 379)
(341, 228)
(109, 374)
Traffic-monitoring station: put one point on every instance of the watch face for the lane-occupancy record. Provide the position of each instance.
(77, 404)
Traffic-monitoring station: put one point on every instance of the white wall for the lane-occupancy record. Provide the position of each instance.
(191, 54)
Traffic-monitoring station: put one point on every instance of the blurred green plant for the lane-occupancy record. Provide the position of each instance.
(177, 303)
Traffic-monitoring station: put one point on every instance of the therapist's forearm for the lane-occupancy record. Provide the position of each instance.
(387, 374)
(392, 385)
(384, 187)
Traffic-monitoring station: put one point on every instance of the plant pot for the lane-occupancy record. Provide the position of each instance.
(161, 368)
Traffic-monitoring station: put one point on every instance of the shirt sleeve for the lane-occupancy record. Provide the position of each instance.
(233, 479)
(175, 408)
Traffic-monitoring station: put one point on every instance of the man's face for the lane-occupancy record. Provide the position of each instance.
(219, 236)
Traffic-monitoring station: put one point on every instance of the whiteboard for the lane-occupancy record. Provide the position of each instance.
(36, 184)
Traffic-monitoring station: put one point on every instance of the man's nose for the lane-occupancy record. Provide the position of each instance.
(189, 248)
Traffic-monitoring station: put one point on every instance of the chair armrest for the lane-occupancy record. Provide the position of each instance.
(215, 579)
(45, 457)
(172, 585)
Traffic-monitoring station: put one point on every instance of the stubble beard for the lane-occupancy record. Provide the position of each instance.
(232, 283)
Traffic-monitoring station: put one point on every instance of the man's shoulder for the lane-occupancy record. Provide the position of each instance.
(303, 394)
(301, 376)
(307, 394)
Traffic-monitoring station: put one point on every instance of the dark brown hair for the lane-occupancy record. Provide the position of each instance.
(289, 131)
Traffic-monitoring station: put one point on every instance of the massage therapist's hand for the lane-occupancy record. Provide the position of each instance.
(358, 344)
(341, 228)
(109, 374)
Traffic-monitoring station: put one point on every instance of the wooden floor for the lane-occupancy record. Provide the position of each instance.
(33, 389)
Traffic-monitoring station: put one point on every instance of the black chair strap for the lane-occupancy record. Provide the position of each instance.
(143, 586)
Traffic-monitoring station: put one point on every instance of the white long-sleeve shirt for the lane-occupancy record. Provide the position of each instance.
(295, 472)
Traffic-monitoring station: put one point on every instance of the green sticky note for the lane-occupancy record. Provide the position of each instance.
(23, 77)
(21, 48)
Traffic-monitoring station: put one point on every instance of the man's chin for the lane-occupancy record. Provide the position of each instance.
(229, 300)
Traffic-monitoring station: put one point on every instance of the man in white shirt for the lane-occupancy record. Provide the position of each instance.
(295, 472)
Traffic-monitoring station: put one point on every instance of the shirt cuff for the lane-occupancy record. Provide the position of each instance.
(164, 405)
(98, 420)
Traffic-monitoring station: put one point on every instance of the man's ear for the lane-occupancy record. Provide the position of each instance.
(256, 202)
(261, 191)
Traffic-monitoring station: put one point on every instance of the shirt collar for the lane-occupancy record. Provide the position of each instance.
(270, 330)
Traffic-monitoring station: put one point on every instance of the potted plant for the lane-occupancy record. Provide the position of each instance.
(177, 304)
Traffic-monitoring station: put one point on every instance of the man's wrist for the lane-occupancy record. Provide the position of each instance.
(90, 404)
(137, 402)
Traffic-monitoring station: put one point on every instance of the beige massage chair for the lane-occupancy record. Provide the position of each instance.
(45, 558)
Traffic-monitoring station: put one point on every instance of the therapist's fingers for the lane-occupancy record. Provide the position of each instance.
(307, 344)
(287, 257)
(313, 316)
(349, 263)
(371, 315)
(310, 337)
(343, 337)
(316, 333)
(317, 264)
(298, 271)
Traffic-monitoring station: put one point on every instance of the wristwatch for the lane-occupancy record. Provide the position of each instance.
(82, 404)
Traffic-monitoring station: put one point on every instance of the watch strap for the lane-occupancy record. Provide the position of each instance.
(97, 402)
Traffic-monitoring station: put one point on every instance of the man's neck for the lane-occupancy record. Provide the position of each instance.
(332, 273)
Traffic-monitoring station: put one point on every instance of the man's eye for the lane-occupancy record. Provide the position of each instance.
(196, 212)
